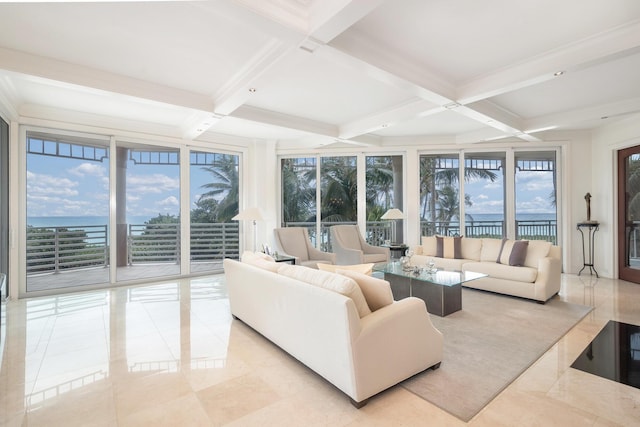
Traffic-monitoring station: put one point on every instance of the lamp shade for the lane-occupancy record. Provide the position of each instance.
(393, 214)
(250, 214)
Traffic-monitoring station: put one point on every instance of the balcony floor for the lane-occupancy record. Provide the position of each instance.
(100, 276)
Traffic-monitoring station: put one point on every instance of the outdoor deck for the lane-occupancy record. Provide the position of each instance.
(78, 278)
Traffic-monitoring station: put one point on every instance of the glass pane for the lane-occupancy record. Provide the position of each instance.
(632, 212)
(535, 181)
(384, 191)
(214, 201)
(299, 194)
(484, 195)
(339, 193)
(67, 213)
(439, 195)
(147, 211)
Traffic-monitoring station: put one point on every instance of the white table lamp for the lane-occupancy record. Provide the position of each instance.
(254, 215)
(394, 215)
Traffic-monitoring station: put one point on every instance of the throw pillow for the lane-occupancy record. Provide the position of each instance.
(330, 281)
(502, 245)
(261, 260)
(376, 291)
(448, 247)
(518, 253)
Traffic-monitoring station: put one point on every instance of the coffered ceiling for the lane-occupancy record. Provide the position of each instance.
(313, 72)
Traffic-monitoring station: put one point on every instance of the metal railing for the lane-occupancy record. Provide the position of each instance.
(525, 229)
(55, 249)
(61, 248)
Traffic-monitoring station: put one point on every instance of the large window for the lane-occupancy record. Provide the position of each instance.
(336, 200)
(439, 195)
(384, 191)
(213, 202)
(67, 211)
(536, 195)
(483, 211)
(299, 193)
(484, 195)
(101, 210)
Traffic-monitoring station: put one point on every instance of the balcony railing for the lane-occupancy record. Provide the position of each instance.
(55, 249)
(62, 248)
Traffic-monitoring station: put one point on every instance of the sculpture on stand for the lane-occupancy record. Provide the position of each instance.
(587, 197)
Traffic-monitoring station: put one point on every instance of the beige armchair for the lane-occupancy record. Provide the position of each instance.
(295, 241)
(351, 248)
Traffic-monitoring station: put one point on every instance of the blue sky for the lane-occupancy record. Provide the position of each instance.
(532, 194)
(69, 187)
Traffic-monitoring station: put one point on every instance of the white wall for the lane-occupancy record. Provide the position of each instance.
(606, 142)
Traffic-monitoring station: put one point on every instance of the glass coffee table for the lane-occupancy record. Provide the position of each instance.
(440, 290)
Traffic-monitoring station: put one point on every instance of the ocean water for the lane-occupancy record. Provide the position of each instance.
(75, 221)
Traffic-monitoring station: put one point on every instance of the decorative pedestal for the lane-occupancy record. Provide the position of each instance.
(587, 252)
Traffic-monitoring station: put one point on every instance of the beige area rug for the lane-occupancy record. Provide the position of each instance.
(487, 345)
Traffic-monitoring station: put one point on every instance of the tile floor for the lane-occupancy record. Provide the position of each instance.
(170, 354)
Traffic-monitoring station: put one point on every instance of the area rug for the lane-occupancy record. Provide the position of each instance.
(487, 345)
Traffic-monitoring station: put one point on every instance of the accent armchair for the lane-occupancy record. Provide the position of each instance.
(295, 241)
(351, 248)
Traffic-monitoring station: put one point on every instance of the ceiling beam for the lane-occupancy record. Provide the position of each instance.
(330, 18)
(408, 110)
(575, 117)
(593, 50)
(75, 74)
(260, 115)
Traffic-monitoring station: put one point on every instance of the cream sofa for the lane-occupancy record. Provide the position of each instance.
(538, 278)
(323, 320)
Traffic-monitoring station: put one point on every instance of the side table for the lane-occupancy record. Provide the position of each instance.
(284, 258)
(397, 250)
(587, 256)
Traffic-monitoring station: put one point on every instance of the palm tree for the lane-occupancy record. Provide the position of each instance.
(225, 185)
(298, 192)
(435, 179)
(339, 189)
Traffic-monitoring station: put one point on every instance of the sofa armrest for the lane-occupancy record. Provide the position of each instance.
(549, 277)
(346, 256)
(395, 342)
(316, 254)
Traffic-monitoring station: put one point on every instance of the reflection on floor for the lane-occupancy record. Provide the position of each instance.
(614, 354)
(171, 354)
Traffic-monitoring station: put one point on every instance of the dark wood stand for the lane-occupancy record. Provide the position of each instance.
(587, 253)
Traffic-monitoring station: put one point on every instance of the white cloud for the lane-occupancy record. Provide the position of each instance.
(170, 201)
(91, 169)
(155, 183)
(50, 185)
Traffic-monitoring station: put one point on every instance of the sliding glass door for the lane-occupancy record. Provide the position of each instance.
(147, 211)
(67, 235)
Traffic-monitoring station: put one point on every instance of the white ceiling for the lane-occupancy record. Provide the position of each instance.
(357, 71)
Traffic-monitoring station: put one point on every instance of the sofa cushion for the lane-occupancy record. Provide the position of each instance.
(471, 248)
(330, 281)
(537, 250)
(376, 291)
(501, 271)
(429, 246)
(490, 249)
(261, 260)
(373, 258)
(448, 247)
(360, 268)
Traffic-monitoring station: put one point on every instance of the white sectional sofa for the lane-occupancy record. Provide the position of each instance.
(535, 275)
(361, 345)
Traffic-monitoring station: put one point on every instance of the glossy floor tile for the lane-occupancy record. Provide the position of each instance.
(170, 354)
